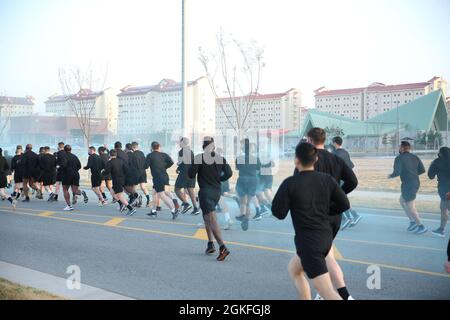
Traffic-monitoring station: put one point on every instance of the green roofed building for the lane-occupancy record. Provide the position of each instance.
(425, 114)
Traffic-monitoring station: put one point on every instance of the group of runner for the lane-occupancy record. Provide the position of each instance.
(315, 195)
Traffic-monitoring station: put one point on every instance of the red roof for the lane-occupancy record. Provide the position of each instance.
(259, 96)
(375, 87)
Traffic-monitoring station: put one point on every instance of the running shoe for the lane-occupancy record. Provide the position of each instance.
(140, 201)
(210, 249)
(26, 199)
(85, 197)
(101, 203)
(257, 216)
(185, 208)
(263, 211)
(68, 208)
(244, 224)
(355, 221)
(318, 297)
(131, 212)
(223, 253)
(228, 224)
(439, 232)
(158, 209)
(421, 229)
(175, 213)
(345, 223)
(152, 214)
(113, 200)
(350, 298)
(412, 226)
(240, 218)
(195, 212)
(123, 208)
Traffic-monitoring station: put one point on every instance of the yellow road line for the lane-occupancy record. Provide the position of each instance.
(46, 213)
(399, 268)
(388, 266)
(201, 234)
(114, 222)
(337, 253)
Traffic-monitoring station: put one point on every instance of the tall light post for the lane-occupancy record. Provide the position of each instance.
(183, 67)
(398, 126)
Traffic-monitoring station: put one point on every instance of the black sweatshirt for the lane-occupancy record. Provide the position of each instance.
(4, 167)
(158, 162)
(70, 164)
(210, 173)
(139, 160)
(31, 163)
(95, 163)
(59, 157)
(185, 159)
(408, 166)
(336, 167)
(117, 168)
(440, 167)
(309, 196)
(17, 165)
(47, 163)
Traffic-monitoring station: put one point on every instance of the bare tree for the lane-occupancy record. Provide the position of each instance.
(80, 88)
(235, 69)
(6, 110)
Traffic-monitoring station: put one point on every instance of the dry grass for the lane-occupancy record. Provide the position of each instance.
(12, 291)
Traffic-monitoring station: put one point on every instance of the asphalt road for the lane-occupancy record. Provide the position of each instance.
(146, 258)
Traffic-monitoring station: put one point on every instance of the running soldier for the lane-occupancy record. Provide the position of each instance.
(96, 165)
(47, 163)
(4, 169)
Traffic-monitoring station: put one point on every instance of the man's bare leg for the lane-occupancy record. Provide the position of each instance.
(297, 274)
(335, 271)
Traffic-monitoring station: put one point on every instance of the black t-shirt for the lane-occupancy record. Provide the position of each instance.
(4, 167)
(117, 168)
(344, 155)
(311, 197)
(31, 163)
(158, 162)
(47, 162)
(59, 157)
(408, 166)
(70, 164)
(95, 163)
(210, 173)
(248, 166)
(336, 167)
(17, 165)
(122, 155)
(139, 160)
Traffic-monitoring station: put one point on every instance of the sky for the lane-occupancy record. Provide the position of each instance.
(307, 44)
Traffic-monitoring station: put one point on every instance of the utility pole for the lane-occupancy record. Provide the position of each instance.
(183, 67)
(398, 127)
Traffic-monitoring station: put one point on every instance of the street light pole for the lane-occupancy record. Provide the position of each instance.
(183, 67)
(398, 127)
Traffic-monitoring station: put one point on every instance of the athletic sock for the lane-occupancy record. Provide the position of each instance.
(13, 194)
(175, 202)
(147, 196)
(129, 207)
(17, 195)
(10, 199)
(343, 293)
(56, 197)
(119, 202)
(104, 195)
(222, 247)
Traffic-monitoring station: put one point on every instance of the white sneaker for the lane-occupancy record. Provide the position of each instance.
(318, 297)
(350, 298)
(68, 208)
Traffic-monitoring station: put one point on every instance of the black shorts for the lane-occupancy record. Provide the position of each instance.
(59, 175)
(48, 179)
(96, 180)
(3, 181)
(131, 178)
(142, 177)
(335, 222)
(106, 177)
(160, 183)
(312, 248)
(409, 190)
(443, 189)
(18, 177)
(246, 186)
(208, 198)
(118, 185)
(72, 179)
(265, 183)
(183, 181)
